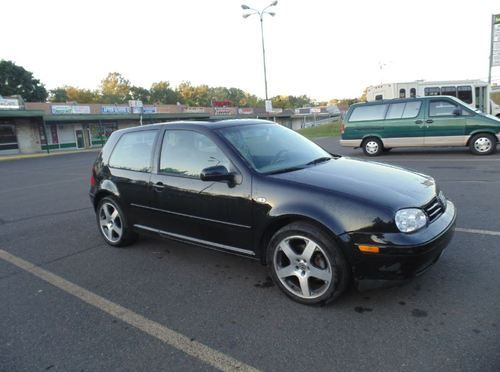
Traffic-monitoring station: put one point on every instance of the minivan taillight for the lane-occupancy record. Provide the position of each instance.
(342, 128)
(92, 178)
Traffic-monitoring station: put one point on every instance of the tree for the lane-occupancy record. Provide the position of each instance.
(161, 92)
(16, 80)
(58, 95)
(290, 102)
(115, 88)
(82, 95)
(141, 94)
(190, 95)
(74, 94)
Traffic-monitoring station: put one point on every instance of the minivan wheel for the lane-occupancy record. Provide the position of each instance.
(112, 223)
(372, 146)
(483, 144)
(307, 264)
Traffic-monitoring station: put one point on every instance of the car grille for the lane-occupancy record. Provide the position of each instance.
(434, 209)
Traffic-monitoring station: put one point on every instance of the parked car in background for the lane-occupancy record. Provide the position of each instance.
(414, 122)
(257, 189)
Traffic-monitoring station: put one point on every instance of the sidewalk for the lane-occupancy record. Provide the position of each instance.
(45, 154)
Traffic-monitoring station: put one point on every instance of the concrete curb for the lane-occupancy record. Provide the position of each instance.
(44, 154)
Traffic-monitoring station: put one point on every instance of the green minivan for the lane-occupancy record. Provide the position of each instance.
(424, 121)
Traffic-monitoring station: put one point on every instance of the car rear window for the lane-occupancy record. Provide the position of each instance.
(133, 151)
(369, 112)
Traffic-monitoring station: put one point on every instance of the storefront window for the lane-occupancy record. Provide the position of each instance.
(100, 133)
(8, 139)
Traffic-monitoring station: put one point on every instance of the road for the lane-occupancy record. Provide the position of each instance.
(74, 303)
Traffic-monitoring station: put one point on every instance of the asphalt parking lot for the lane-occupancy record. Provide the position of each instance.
(69, 302)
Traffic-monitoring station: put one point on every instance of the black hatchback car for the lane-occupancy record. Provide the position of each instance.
(258, 189)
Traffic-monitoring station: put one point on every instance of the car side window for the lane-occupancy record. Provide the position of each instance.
(187, 153)
(133, 151)
(441, 108)
(369, 112)
(412, 109)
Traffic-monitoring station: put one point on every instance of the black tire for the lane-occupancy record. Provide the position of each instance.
(483, 144)
(372, 146)
(109, 227)
(326, 259)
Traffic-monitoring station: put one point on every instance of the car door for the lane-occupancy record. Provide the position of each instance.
(214, 213)
(445, 123)
(130, 167)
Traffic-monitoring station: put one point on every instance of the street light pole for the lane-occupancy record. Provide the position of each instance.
(261, 13)
(263, 52)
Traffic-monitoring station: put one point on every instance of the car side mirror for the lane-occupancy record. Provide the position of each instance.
(216, 173)
(457, 112)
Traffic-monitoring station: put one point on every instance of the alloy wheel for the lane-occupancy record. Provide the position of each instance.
(110, 222)
(302, 267)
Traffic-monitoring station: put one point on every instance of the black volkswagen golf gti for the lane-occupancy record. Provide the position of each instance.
(255, 188)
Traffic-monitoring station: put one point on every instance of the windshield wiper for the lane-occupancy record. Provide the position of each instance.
(319, 160)
(285, 170)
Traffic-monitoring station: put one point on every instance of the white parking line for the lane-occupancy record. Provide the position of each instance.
(478, 231)
(180, 342)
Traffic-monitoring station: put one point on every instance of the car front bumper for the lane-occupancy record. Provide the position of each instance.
(402, 256)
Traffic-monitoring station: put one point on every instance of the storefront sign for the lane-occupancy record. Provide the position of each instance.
(115, 110)
(194, 110)
(245, 111)
(68, 109)
(224, 111)
(9, 104)
(149, 109)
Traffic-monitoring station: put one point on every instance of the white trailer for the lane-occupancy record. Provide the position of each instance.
(475, 93)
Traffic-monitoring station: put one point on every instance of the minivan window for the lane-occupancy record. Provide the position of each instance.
(369, 112)
(187, 153)
(133, 151)
(395, 110)
(412, 109)
(403, 110)
(441, 108)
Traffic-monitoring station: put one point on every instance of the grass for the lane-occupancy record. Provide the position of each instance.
(325, 130)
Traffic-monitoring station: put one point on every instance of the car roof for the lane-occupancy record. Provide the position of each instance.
(399, 100)
(210, 125)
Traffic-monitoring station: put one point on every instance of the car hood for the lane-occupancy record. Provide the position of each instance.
(376, 183)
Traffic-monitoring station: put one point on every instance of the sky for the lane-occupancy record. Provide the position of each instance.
(322, 48)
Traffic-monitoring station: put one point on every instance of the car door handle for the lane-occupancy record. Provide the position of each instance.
(428, 121)
(418, 121)
(158, 186)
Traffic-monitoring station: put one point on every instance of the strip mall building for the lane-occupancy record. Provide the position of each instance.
(34, 127)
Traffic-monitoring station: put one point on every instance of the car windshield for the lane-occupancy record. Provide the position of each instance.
(272, 148)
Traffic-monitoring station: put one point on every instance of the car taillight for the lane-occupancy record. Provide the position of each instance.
(342, 128)
(92, 178)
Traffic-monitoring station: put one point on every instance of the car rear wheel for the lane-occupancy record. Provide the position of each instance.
(372, 146)
(483, 144)
(113, 224)
(307, 264)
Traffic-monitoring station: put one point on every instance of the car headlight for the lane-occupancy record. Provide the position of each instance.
(410, 220)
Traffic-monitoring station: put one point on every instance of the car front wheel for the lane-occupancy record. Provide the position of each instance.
(112, 223)
(307, 264)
